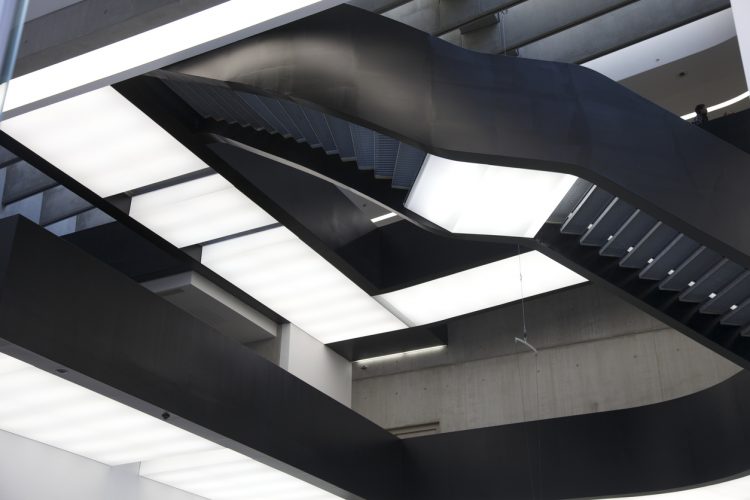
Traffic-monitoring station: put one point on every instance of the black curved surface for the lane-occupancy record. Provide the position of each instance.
(506, 111)
(697, 439)
(164, 359)
(378, 259)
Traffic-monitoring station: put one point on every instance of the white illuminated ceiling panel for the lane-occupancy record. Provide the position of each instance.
(475, 198)
(282, 272)
(198, 211)
(169, 43)
(225, 474)
(103, 141)
(480, 287)
(40, 406)
(46, 408)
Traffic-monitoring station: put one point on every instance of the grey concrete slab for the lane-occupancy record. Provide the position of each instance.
(23, 180)
(530, 21)
(377, 5)
(60, 203)
(620, 28)
(90, 24)
(439, 16)
(596, 353)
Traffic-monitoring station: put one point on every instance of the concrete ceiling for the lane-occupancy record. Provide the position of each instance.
(566, 31)
(710, 77)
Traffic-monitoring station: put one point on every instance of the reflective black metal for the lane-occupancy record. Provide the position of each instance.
(506, 111)
(163, 359)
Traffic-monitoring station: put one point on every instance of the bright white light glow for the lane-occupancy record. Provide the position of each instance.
(169, 43)
(479, 288)
(474, 198)
(734, 489)
(383, 217)
(40, 406)
(226, 474)
(43, 407)
(719, 106)
(103, 141)
(282, 272)
(401, 355)
(198, 211)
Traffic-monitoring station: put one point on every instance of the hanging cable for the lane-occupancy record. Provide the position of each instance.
(524, 340)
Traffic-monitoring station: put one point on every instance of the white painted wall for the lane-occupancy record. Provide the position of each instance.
(30, 470)
(310, 360)
(741, 15)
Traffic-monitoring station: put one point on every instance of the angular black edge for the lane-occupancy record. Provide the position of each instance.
(108, 329)
(498, 110)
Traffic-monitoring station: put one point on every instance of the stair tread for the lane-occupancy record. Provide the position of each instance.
(608, 223)
(649, 247)
(690, 270)
(592, 205)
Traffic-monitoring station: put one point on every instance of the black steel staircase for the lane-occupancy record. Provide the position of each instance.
(385, 156)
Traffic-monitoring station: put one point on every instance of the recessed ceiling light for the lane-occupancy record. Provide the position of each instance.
(282, 272)
(479, 288)
(169, 43)
(103, 141)
(198, 211)
(475, 198)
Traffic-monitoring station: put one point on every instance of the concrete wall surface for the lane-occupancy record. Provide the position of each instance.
(596, 353)
(312, 361)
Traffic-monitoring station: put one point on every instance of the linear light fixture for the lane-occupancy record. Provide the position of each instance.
(479, 288)
(103, 141)
(281, 271)
(383, 217)
(191, 35)
(475, 198)
(198, 211)
(719, 106)
(46, 408)
(401, 355)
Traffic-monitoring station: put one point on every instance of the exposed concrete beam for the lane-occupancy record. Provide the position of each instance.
(440, 16)
(530, 21)
(377, 5)
(91, 24)
(619, 28)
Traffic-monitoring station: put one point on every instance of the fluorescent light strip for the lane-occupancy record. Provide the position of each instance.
(104, 142)
(383, 217)
(475, 198)
(719, 106)
(46, 408)
(401, 355)
(198, 211)
(479, 288)
(281, 271)
(169, 43)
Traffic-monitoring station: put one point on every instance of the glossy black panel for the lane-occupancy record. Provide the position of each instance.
(162, 359)
(297, 185)
(500, 110)
(64, 305)
(687, 441)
